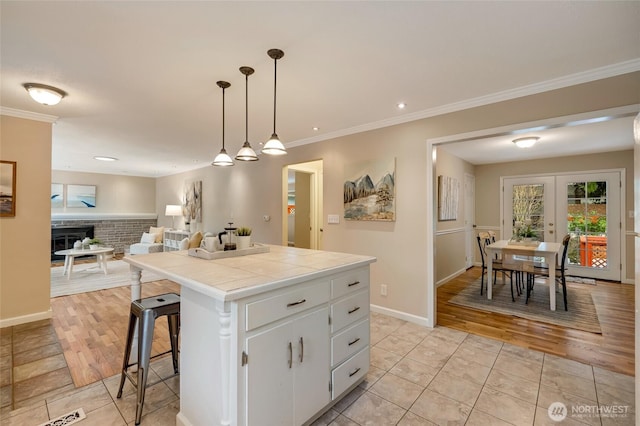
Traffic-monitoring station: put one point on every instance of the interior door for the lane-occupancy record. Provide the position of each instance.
(530, 200)
(302, 234)
(469, 218)
(589, 210)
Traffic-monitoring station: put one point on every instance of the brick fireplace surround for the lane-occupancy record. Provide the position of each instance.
(117, 231)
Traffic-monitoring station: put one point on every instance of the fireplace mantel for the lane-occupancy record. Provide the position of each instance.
(103, 216)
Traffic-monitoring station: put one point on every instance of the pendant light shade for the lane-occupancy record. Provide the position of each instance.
(273, 145)
(223, 159)
(246, 153)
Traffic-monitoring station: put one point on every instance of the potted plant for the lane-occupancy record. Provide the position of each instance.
(94, 243)
(244, 237)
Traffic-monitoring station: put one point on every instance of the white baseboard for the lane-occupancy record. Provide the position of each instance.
(401, 315)
(450, 277)
(8, 322)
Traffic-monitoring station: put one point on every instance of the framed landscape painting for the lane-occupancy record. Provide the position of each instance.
(370, 191)
(81, 196)
(7, 188)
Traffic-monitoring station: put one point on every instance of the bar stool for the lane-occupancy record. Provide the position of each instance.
(145, 311)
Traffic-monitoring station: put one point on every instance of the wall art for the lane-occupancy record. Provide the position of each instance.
(370, 191)
(192, 204)
(448, 192)
(7, 188)
(57, 195)
(81, 196)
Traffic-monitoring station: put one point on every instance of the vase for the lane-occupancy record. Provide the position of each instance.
(244, 242)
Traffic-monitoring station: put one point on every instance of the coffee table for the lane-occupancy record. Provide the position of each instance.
(70, 254)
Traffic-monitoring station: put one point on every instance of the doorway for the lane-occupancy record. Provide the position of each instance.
(586, 206)
(302, 205)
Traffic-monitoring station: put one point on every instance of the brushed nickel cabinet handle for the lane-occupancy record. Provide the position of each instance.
(299, 302)
(290, 355)
(355, 372)
(301, 350)
(353, 283)
(353, 342)
(354, 309)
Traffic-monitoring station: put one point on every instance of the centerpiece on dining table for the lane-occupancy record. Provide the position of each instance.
(523, 234)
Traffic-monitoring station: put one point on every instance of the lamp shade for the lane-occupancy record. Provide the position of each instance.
(173, 210)
(274, 146)
(222, 159)
(43, 94)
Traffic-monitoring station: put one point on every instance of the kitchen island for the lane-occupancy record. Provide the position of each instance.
(266, 339)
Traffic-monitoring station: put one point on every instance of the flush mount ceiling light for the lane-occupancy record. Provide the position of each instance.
(43, 94)
(223, 159)
(273, 145)
(102, 158)
(246, 153)
(527, 142)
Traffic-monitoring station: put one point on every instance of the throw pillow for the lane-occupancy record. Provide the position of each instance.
(184, 244)
(159, 231)
(194, 241)
(148, 238)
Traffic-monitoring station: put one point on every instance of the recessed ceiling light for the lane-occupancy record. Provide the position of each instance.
(43, 94)
(315, 129)
(402, 105)
(101, 158)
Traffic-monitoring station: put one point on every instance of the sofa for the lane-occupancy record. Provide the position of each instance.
(150, 242)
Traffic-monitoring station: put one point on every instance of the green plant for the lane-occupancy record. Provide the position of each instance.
(243, 231)
(95, 241)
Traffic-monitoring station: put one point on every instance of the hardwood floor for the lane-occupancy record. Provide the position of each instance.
(612, 350)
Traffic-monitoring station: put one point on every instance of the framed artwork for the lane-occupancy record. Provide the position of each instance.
(57, 195)
(192, 207)
(81, 196)
(7, 188)
(448, 192)
(370, 191)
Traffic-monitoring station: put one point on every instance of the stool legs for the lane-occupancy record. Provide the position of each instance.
(174, 330)
(127, 351)
(145, 340)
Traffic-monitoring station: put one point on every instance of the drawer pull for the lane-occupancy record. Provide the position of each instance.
(290, 355)
(354, 309)
(353, 283)
(353, 342)
(355, 372)
(299, 302)
(301, 350)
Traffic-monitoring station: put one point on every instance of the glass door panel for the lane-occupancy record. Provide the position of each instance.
(528, 209)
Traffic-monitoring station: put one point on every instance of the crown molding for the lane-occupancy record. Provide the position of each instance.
(532, 89)
(36, 116)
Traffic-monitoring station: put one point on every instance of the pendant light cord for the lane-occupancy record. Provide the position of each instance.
(246, 109)
(275, 80)
(223, 89)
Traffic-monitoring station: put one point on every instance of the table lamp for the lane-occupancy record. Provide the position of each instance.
(173, 211)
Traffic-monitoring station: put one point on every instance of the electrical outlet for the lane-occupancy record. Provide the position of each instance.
(383, 289)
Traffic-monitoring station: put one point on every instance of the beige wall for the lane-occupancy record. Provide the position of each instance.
(488, 187)
(114, 193)
(25, 238)
(248, 191)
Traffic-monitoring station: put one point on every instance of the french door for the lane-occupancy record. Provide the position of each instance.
(585, 206)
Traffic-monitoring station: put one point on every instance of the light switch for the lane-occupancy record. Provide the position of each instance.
(333, 218)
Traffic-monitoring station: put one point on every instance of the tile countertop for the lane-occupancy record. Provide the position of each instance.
(238, 277)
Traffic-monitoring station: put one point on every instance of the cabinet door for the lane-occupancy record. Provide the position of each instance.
(311, 364)
(269, 387)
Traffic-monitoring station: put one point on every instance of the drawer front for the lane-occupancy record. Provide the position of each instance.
(293, 301)
(349, 373)
(349, 282)
(349, 310)
(348, 342)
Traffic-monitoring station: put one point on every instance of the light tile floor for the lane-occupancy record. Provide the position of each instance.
(418, 376)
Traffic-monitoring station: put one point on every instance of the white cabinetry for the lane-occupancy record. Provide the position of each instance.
(172, 239)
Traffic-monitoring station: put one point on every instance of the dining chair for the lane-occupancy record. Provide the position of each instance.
(543, 269)
(483, 241)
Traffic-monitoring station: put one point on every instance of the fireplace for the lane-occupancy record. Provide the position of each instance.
(63, 237)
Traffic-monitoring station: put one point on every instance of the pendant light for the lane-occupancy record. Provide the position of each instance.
(246, 153)
(223, 159)
(273, 145)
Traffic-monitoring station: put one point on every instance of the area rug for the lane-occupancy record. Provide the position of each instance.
(87, 277)
(582, 314)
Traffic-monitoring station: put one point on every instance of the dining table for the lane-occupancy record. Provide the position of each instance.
(547, 250)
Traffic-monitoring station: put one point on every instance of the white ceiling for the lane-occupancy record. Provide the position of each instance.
(141, 75)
